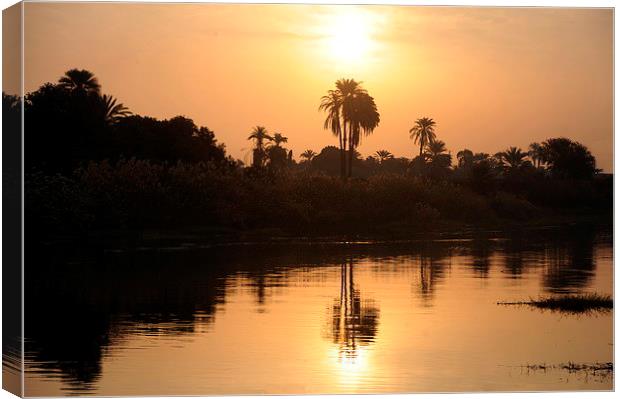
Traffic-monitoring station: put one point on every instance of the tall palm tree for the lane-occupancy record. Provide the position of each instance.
(332, 104)
(363, 118)
(423, 132)
(80, 81)
(278, 139)
(112, 111)
(349, 89)
(308, 155)
(384, 155)
(259, 135)
(349, 112)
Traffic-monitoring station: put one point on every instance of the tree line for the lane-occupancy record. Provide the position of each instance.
(91, 163)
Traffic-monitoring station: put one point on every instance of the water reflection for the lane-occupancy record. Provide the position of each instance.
(354, 320)
(82, 309)
(433, 261)
(570, 262)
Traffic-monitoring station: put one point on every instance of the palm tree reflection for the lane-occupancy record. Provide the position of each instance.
(353, 321)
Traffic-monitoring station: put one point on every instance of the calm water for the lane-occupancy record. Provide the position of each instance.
(324, 318)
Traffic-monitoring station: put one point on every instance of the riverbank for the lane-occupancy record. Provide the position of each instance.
(200, 236)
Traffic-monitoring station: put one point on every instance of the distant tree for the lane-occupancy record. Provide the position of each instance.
(513, 158)
(277, 157)
(439, 161)
(568, 159)
(112, 112)
(308, 155)
(328, 160)
(80, 81)
(384, 155)
(278, 139)
(465, 158)
(435, 148)
(537, 153)
(423, 132)
(259, 135)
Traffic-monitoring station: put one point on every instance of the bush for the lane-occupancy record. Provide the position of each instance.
(138, 194)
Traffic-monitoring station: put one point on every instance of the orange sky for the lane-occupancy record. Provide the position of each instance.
(490, 77)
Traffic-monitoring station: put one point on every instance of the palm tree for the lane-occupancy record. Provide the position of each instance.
(537, 153)
(363, 118)
(513, 158)
(308, 155)
(112, 112)
(423, 132)
(349, 89)
(384, 155)
(80, 81)
(279, 139)
(332, 104)
(350, 110)
(435, 148)
(259, 135)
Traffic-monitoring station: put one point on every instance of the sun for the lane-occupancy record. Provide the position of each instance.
(349, 37)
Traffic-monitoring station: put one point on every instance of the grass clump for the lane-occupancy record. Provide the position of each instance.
(580, 303)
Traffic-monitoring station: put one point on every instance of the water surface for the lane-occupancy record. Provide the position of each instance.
(416, 316)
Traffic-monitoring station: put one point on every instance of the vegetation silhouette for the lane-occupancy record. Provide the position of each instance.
(423, 132)
(92, 165)
(351, 112)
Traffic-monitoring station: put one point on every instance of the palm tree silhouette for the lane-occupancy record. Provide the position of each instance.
(278, 139)
(384, 155)
(80, 81)
(537, 153)
(332, 104)
(308, 155)
(259, 135)
(423, 132)
(112, 112)
(350, 111)
(435, 148)
(363, 118)
(513, 158)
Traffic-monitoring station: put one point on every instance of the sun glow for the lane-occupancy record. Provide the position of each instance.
(349, 36)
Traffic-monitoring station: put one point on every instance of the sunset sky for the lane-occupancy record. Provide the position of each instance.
(490, 77)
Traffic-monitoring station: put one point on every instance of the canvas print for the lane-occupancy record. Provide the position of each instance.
(231, 199)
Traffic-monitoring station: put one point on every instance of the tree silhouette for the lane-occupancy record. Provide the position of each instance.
(384, 155)
(308, 155)
(537, 153)
(423, 132)
(278, 139)
(465, 158)
(513, 158)
(351, 112)
(363, 118)
(567, 159)
(439, 161)
(332, 104)
(259, 135)
(112, 111)
(435, 148)
(80, 81)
